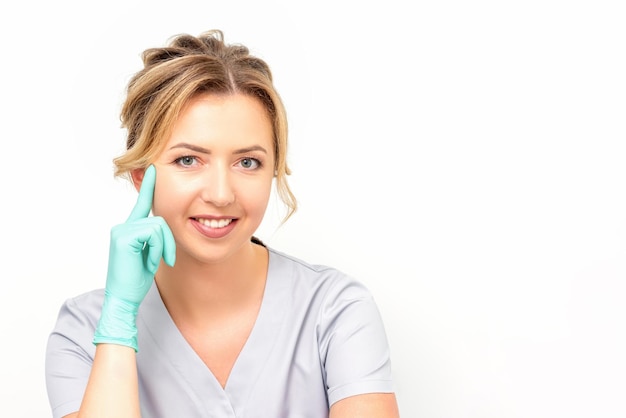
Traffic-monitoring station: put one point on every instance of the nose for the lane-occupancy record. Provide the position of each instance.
(217, 187)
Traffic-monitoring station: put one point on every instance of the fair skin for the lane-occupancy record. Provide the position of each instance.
(213, 184)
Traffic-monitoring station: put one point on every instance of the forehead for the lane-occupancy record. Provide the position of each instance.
(222, 120)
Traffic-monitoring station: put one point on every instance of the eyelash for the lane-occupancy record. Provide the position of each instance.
(259, 163)
(178, 161)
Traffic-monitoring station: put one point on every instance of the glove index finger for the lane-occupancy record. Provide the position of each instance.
(146, 193)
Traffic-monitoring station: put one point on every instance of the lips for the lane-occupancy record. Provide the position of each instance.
(214, 227)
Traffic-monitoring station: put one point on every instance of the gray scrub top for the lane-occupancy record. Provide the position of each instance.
(318, 338)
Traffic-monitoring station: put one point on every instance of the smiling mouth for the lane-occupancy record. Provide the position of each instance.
(214, 223)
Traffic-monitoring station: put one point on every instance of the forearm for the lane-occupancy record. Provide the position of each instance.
(372, 405)
(135, 252)
(112, 390)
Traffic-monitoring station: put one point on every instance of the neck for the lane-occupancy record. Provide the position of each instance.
(194, 291)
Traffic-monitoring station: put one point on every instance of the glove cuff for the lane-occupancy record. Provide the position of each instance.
(117, 322)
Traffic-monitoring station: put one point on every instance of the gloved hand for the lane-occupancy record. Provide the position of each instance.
(135, 252)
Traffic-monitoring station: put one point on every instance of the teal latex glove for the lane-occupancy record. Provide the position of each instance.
(135, 252)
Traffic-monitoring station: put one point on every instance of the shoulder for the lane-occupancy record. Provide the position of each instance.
(70, 351)
(345, 322)
(87, 301)
(328, 279)
(291, 261)
(81, 310)
(71, 337)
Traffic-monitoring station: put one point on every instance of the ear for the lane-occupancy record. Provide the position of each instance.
(137, 176)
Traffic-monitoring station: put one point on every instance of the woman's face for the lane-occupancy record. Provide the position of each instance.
(214, 175)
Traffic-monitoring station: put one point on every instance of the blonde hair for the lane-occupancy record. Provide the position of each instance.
(174, 74)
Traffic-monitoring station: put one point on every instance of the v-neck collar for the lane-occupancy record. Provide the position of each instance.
(248, 365)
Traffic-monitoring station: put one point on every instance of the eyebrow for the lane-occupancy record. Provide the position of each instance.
(206, 151)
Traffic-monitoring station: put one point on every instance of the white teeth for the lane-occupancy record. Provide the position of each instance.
(215, 223)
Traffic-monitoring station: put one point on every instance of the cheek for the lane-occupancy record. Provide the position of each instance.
(167, 193)
(258, 197)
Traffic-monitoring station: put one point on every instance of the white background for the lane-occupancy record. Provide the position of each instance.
(464, 159)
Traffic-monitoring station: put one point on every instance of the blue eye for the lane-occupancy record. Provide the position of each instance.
(186, 161)
(250, 163)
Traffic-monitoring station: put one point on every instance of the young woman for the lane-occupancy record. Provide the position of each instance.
(198, 317)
